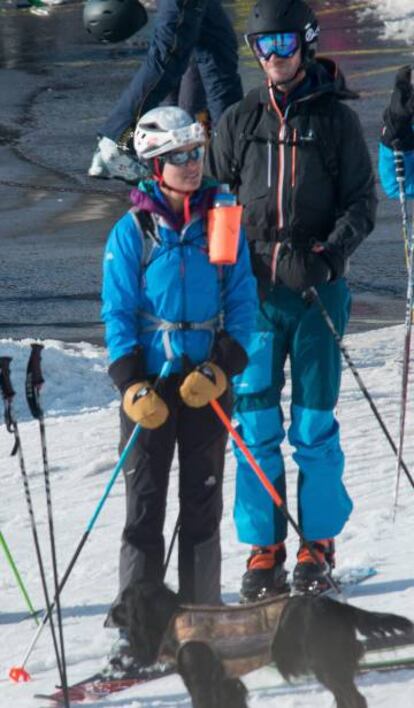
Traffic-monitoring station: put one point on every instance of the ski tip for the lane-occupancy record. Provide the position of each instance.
(19, 675)
(353, 576)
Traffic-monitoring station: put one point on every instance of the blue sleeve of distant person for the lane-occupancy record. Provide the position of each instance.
(386, 169)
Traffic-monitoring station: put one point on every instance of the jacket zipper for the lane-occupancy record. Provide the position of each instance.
(293, 166)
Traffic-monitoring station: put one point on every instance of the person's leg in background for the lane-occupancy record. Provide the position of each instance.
(191, 96)
(216, 54)
(179, 26)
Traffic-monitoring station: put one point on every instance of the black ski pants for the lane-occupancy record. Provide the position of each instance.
(201, 442)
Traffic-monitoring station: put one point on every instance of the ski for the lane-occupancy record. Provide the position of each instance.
(344, 580)
(347, 578)
(395, 664)
(100, 685)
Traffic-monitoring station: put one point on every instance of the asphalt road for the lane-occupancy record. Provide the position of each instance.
(56, 88)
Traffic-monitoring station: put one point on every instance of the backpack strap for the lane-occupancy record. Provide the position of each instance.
(248, 119)
(249, 113)
(327, 135)
(147, 230)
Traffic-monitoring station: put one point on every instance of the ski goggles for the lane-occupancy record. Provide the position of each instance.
(283, 44)
(180, 158)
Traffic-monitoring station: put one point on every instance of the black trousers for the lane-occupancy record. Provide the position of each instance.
(201, 442)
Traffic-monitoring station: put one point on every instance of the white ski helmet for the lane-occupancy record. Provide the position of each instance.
(164, 130)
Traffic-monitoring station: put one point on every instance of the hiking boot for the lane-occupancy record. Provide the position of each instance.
(309, 575)
(109, 161)
(266, 574)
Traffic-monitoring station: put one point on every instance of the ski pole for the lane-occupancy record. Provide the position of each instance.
(12, 427)
(312, 296)
(405, 369)
(18, 577)
(127, 449)
(269, 487)
(400, 177)
(34, 381)
(171, 546)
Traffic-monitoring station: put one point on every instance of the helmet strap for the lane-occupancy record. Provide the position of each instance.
(158, 176)
(157, 171)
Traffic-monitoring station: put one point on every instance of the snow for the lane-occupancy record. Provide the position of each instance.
(398, 18)
(81, 410)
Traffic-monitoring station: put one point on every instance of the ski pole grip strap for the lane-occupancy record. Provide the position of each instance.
(5, 383)
(34, 380)
(34, 365)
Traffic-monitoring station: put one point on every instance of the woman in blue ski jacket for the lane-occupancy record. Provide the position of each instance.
(164, 301)
(398, 135)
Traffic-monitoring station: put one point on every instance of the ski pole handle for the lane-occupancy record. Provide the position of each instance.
(34, 381)
(8, 393)
(6, 387)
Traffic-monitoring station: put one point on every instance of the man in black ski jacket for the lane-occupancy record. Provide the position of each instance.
(295, 154)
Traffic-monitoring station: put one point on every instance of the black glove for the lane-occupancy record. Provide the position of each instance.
(261, 255)
(399, 116)
(301, 268)
(228, 354)
(128, 369)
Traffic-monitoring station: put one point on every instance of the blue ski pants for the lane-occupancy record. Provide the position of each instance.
(290, 328)
(183, 28)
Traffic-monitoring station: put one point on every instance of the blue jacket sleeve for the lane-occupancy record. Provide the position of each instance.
(240, 297)
(386, 169)
(121, 288)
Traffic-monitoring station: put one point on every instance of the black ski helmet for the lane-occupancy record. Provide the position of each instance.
(285, 16)
(113, 20)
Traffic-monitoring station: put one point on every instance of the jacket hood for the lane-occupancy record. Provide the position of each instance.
(326, 77)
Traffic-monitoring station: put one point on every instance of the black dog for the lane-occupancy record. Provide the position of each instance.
(309, 636)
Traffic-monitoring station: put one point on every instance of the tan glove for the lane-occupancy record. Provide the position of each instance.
(206, 383)
(144, 406)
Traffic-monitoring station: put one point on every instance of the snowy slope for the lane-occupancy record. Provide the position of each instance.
(398, 18)
(82, 436)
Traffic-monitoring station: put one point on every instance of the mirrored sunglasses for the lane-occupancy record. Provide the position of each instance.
(283, 44)
(181, 158)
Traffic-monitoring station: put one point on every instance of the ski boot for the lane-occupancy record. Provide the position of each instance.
(266, 574)
(309, 576)
(109, 161)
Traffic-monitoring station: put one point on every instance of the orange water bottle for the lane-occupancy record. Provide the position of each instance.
(223, 229)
